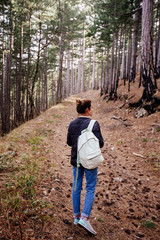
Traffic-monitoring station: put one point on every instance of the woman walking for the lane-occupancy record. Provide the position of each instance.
(85, 110)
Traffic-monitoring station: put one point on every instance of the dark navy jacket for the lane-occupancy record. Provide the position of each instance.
(74, 130)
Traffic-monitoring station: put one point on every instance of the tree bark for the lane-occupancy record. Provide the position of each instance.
(19, 116)
(147, 71)
(35, 77)
(68, 74)
(93, 73)
(61, 53)
(28, 67)
(79, 76)
(132, 74)
(158, 51)
(123, 72)
(107, 72)
(129, 52)
(45, 73)
(118, 66)
(83, 62)
(112, 68)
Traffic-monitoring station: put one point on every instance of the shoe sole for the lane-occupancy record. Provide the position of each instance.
(81, 225)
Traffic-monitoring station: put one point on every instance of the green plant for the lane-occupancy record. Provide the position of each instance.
(154, 140)
(99, 219)
(36, 140)
(148, 224)
(56, 115)
(144, 140)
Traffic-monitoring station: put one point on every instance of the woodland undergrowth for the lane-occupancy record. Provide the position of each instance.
(23, 167)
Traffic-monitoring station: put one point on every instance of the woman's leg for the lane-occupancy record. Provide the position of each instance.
(76, 193)
(91, 181)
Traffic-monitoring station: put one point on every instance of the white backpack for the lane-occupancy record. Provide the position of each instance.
(88, 149)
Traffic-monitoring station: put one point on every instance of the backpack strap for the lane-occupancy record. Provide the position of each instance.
(91, 124)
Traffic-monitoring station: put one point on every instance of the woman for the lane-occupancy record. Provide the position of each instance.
(85, 110)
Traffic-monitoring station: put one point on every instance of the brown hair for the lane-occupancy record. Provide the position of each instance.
(82, 105)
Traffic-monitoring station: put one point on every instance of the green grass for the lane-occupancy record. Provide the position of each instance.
(144, 140)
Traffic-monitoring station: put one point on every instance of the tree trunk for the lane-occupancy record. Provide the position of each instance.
(115, 65)
(75, 80)
(68, 74)
(97, 82)
(72, 70)
(19, 117)
(112, 68)
(123, 72)
(93, 73)
(129, 52)
(45, 74)
(118, 67)
(132, 74)
(28, 67)
(107, 72)
(79, 76)
(61, 53)
(147, 71)
(35, 77)
(83, 62)
(89, 74)
(102, 77)
(158, 51)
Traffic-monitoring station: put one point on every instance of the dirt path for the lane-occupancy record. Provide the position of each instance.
(128, 189)
(127, 203)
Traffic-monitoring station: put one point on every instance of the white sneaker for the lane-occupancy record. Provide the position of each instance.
(86, 224)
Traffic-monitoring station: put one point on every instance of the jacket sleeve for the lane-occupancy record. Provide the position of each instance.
(69, 142)
(97, 132)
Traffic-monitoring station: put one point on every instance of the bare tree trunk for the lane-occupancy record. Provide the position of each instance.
(129, 52)
(61, 53)
(19, 117)
(28, 67)
(72, 71)
(38, 97)
(89, 74)
(3, 77)
(68, 74)
(107, 72)
(93, 73)
(112, 67)
(35, 77)
(147, 71)
(75, 80)
(134, 45)
(53, 89)
(102, 77)
(79, 76)
(83, 62)
(45, 74)
(123, 75)
(157, 62)
(97, 82)
(117, 66)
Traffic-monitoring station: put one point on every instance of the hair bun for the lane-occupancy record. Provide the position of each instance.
(78, 102)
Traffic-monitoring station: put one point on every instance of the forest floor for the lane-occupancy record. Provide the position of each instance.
(127, 203)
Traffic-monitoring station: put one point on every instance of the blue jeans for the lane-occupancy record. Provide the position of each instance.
(91, 181)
